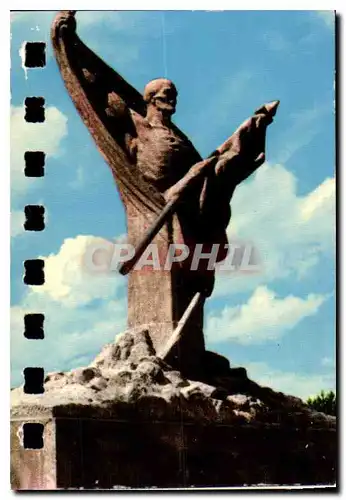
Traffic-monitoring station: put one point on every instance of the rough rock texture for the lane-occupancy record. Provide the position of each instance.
(128, 371)
(131, 392)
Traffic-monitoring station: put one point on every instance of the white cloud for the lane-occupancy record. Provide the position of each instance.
(83, 311)
(69, 278)
(18, 219)
(72, 336)
(291, 233)
(264, 317)
(302, 385)
(24, 136)
(319, 202)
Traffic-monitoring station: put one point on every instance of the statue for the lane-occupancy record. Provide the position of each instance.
(169, 192)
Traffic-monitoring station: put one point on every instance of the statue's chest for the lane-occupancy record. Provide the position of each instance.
(162, 142)
(162, 155)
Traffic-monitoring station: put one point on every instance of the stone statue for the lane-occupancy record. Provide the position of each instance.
(170, 194)
(156, 391)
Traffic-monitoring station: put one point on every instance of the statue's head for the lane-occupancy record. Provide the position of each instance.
(162, 94)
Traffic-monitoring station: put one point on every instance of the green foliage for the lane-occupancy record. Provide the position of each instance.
(324, 402)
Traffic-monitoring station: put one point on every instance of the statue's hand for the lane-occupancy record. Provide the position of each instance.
(64, 19)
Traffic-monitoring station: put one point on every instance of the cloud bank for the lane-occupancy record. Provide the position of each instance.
(263, 318)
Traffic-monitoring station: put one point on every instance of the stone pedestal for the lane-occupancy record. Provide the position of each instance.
(124, 447)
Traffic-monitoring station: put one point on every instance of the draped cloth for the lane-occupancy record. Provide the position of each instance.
(89, 80)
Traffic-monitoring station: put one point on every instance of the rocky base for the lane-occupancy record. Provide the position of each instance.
(130, 420)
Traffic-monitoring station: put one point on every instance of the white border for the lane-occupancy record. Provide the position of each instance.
(5, 179)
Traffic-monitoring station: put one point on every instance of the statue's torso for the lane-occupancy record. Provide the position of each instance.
(162, 155)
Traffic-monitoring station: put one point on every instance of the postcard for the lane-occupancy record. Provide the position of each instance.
(173, 250)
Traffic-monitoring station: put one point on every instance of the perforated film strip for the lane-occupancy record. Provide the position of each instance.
(32, 432)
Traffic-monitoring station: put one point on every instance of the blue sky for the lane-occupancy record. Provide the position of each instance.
(279, 323)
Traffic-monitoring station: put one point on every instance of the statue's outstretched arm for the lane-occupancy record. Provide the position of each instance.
(244, 151)
(236, 158)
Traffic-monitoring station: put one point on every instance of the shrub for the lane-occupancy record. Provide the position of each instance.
(324, 402)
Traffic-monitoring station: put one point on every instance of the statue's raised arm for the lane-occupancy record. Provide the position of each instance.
(105, 102)
(90, 69)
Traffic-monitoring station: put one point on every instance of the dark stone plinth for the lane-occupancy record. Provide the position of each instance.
(91, 448)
